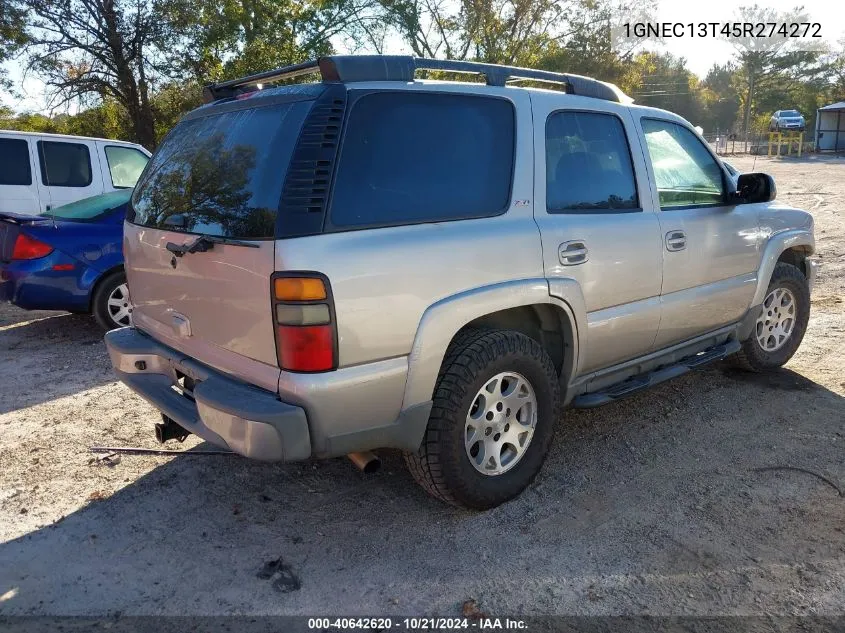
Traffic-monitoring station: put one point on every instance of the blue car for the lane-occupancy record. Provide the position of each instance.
(70, 258)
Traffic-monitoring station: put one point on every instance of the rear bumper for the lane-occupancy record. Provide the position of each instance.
(226, 412)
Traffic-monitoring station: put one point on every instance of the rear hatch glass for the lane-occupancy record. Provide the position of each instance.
(220, 172)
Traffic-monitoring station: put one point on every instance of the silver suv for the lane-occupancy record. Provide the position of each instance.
(378, 261)
(786, 120)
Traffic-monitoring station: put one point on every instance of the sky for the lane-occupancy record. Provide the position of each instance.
(700, 54)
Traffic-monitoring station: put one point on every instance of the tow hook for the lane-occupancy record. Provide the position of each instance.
(167, 429)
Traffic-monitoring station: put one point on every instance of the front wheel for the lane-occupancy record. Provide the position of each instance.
(111, 306)
(492, 420)
(780, 327)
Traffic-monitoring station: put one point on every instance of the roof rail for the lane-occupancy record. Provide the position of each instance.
(348, 68)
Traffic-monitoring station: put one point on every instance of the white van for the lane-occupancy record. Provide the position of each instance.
(41, 171)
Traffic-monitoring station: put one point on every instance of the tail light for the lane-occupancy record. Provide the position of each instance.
(303, 311)
(27, 247)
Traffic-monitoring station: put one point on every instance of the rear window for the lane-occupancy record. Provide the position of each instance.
(64, 164)
(588, 164)
(221, 174)
(89, 209)
(411, 157)
(14, 162)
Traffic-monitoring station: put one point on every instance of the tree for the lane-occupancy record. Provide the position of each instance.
(221, 40)
(720, 101)
(766, 63)
(496, 31)
(12, 35)
(93, 50)
(837, 68)
(662, 80)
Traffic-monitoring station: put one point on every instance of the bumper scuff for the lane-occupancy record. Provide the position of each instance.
(226, 412)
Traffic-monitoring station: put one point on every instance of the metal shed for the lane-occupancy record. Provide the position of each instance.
(830, 128)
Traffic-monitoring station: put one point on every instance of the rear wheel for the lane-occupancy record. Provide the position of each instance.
(780, 327)
(495, 405)
(111, 306)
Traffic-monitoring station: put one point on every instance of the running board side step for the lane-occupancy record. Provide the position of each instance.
(644, 381)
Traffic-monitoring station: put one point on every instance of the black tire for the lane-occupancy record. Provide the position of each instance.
(752, 356)
(441, 465)
(99, 303)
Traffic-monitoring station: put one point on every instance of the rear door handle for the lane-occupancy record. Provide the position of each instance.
(573, 252)
(676, 241)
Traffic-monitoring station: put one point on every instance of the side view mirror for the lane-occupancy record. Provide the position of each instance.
(755, 188)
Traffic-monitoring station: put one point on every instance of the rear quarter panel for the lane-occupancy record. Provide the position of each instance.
(384, 279)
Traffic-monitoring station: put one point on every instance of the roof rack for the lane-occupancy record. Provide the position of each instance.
(349, 68)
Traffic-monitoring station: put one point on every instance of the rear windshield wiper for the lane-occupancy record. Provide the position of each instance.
(205, 243)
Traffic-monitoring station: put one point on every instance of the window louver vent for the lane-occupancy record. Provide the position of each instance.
(306, 190)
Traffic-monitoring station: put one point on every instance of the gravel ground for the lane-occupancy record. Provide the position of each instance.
(717, 493)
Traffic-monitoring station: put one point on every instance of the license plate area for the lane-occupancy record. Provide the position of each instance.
(184, 384)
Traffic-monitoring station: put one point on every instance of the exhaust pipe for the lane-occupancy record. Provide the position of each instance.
(367, 462)
(169, 430)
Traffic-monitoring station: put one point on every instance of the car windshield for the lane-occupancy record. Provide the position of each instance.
(89, 209)
(790, 113)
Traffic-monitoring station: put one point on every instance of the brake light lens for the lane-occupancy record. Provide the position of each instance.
(304, 318)
(306, 348)
(27, 247)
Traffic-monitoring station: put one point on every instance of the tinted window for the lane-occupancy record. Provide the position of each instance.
(92, 208)
(14, 162)
(790, 113)
(421, 157)
(221, 174)
(64, 164)
(588, 164)
(685, 172)
(125, 165)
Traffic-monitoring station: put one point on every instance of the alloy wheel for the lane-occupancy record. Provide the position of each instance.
(777, 321)
(119, 306)
(500, 423)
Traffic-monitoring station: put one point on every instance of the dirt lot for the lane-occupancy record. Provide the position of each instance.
(718, 493)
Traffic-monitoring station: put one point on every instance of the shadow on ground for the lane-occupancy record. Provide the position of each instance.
(47, 355)
(715, 493)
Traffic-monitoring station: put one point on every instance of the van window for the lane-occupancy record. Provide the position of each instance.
(588, 164)
(412, 157)
(221, 174)
(685, 173)
(125, 165)
(14, 162)
(64, 164)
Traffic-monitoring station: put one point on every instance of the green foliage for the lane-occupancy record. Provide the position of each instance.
(13, 35)
(135, 67)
